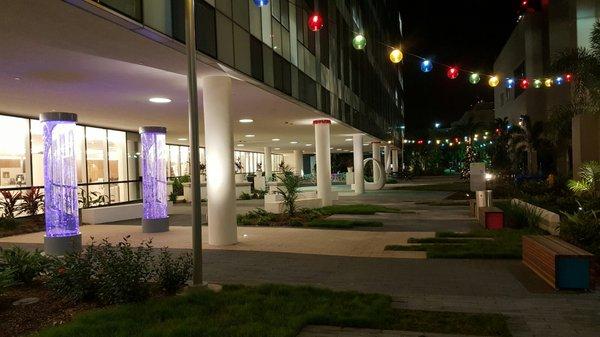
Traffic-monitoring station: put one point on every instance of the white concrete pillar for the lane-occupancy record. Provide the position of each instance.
(298, 162)
(268, 164)
(387, 158)
(359, 170)
(395, 160)
(222, 225)
(376, 147)
(322, 147)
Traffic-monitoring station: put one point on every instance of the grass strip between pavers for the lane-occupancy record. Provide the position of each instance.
(361, 209)
(477, 244)
(342, 224)
(268, 311)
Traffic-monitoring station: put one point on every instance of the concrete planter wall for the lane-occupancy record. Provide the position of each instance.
(550, 220)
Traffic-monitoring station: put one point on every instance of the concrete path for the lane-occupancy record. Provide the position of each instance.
(266, 239)
(329, 331)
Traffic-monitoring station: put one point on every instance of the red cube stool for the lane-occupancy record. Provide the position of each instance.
(491, 217)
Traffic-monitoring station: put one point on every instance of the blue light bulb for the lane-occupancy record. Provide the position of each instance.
(509, 83)
(260, 3)
(559, 80)
(426, 66)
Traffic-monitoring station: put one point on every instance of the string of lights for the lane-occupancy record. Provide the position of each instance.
(316, 22)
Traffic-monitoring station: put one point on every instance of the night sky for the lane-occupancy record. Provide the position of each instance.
(466, 33)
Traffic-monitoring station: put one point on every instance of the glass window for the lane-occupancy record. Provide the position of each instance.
(206, 35)
(255, 20)
(96, 155)
(266, 25)
(14, 152)
(224, 6)
(174, 163)
(117, 155)
(241, 13)
(133, 167)
(131, 8)
(275, 9)
(225, 39)
(242, 49)
(285, 13)
(184, 157)
(277, 46)
(256, 58)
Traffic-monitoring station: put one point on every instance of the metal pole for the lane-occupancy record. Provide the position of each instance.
(190, 39)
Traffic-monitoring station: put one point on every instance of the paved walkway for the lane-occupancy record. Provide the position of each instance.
(355, 260)
(328, 331)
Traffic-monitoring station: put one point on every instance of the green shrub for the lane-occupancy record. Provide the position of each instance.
(290, 190)
(172, 273)
(177, 186)
(310, 214)
(123, 272)
(173, 197)
(6, 280)
(25, 265)
(516, 216)
(73, 276)
(259, 194)
(257, 217)
(582, 229)
(8, 224)
(245, 196)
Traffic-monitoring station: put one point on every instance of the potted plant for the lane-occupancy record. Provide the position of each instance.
(239, 169)
(202, 167)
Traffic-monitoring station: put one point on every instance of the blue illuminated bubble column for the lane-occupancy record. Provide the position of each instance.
(154, 179)
(60, 183)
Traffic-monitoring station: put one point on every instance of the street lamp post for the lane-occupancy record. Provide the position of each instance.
(190, 39)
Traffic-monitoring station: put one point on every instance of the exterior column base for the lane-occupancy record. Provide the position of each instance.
(155, 225)
(61, 245)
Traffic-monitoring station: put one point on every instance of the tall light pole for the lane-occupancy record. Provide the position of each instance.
(190, 42)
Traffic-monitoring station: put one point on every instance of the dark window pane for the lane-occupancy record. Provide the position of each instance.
(256, 56)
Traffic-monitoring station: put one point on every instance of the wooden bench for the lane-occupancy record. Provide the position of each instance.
(560, 264)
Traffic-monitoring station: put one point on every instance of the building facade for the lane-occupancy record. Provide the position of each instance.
(274, 45)
(541, 36)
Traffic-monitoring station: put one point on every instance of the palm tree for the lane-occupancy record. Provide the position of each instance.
(590, 180)
(528, 138)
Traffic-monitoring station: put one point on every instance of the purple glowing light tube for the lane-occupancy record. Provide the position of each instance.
(60, 174)
(154, 172)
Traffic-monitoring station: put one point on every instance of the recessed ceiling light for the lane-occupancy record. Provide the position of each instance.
(246, 120)
(275, 139)
(240, 145)
(277, 148)
(160, 100)
(339, 149)
(348, 139)
(366, 144)
(308, 145)
(293, 142)
(182, 139)
(17, 78)
(249, 136)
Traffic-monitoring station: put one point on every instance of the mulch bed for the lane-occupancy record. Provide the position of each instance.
(25, 226)
(26, 319)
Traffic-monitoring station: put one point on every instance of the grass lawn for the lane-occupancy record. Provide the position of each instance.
(342, 224)
(459, 186)
(267, 311)
(362, 209)
(477, 244)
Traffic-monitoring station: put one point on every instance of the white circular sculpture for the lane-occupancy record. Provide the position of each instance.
(375, 185)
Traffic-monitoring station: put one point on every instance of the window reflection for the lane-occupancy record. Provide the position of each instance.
(14, 152)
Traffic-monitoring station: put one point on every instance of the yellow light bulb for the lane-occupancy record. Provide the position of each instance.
(548, 82)
(396, 56)
(494, 81)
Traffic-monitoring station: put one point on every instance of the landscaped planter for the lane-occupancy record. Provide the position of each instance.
(550, 221)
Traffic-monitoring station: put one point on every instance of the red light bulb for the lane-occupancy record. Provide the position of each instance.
(524, 84)
(568, 78)
(452, 73)
(315, 22)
